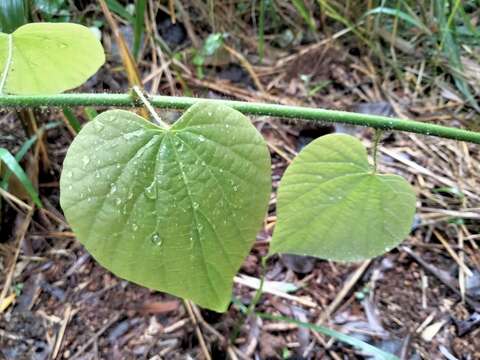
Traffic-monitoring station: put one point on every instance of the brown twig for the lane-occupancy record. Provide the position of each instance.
(18, 245)
(200, 337)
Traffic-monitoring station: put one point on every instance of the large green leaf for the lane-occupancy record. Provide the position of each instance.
(332, 205)
(175, 210)
(45, 58)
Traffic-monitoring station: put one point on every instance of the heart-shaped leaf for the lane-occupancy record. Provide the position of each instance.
(48, 58)
(175, 210)
(332, 205)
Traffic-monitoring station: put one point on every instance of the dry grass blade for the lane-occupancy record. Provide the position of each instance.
(452, 253)
(127, 58)
(347, 287)
(200, 337)
(61, 332)
(244, 62)
(254, 283)
(21, 232)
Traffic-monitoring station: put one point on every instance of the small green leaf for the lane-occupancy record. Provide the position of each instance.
(332, 205)
(48, 58)
(175, 210)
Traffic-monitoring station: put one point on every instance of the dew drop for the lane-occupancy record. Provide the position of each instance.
(131, 135)
(201, 138)
(134, 227)
(69, 174)
(98, 125)
(151, 191)
(235, 188)
(118, 201)
(113, 188)
(210, 113)
(195, 205)
(130, 196)
(156, 239)
(85, 160)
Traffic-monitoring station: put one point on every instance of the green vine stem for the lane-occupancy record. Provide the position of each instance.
(253, 108)
(251, 308)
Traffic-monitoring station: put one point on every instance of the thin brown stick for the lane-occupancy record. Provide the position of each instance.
(200, 337)
(104, 328)
(18, 245)
(244, 62)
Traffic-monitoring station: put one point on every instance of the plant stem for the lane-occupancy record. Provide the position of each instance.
(253, 108)
(251, 308)
(151, 110)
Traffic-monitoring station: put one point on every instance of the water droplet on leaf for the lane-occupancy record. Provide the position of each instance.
(151, 191)
(156, 239)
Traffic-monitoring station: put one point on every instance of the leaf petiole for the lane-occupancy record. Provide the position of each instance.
(149, 107)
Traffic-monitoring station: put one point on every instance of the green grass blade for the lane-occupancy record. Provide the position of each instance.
(450, 48)
(448, 26)
(306, 15)
(14, 166)
(261, 30)
(120, 10)
(469, 29)
(399, 14)
(139, 26)
(72, 119)
(350, 340)
(90, 113)
(12, 15)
